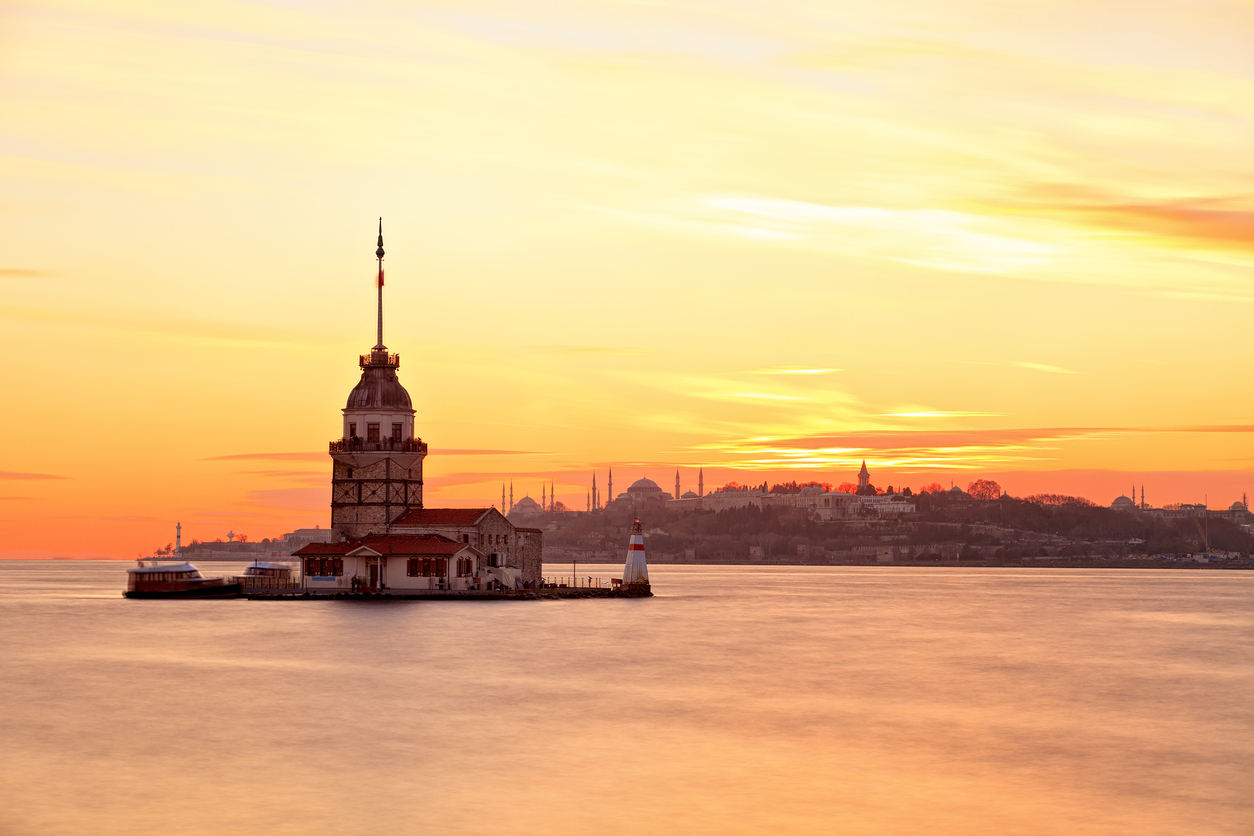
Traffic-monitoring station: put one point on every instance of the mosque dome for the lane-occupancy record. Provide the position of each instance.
(1123, 503)
(379, 389)
(1238, 506)
(526, 503)
(955, 489)
(644, 485)
(690, 495)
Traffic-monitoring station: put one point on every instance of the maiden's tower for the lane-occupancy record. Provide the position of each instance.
(377, 471)
(387, 539)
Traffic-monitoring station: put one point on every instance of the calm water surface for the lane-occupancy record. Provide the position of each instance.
(739, 700)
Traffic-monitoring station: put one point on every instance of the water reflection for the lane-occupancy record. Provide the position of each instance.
(739, 700)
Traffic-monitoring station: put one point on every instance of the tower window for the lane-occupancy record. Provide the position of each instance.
(352, 430)
(350, 473)
(372, 432)
(396, 432)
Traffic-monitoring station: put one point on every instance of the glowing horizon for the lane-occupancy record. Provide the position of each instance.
(958, 240)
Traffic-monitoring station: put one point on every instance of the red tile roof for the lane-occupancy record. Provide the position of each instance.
(415, 544)
(441, 516)
(530, 530)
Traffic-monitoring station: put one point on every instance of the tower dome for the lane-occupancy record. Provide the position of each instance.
(379, 387)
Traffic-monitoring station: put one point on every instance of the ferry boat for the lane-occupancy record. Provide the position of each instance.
(178, 580)
(262, 575)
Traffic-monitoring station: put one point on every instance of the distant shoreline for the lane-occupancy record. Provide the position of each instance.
(1030, 563)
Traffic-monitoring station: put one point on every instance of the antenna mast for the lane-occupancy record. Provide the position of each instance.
(379, 255)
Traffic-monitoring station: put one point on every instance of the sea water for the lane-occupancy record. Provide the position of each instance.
(738, 700)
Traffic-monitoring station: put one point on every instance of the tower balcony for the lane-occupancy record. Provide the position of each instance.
(384, 445)
(379, 360)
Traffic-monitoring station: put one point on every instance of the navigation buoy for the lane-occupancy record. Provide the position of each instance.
(636, 570)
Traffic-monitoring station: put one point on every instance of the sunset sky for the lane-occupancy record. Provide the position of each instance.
(958, 239)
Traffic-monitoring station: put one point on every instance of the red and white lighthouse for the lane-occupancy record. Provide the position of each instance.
(636, 569)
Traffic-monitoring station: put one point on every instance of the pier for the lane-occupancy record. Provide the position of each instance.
(547, 592)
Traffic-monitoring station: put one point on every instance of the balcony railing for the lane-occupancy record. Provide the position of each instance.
(389, 444)
(379, 358)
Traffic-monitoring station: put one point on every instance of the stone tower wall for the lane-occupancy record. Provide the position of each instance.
(368, 491)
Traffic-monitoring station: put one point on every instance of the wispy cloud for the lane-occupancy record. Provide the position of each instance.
(1045, 367)
(925, 449)
(794, 371)
(1217, 221)
(1184, 250)
(22, 273)
(301, 499)
(287, 457)
(10, 474)
(455, 451)
(752, 396)
(608, 351)
(938, 238)
(940, 414)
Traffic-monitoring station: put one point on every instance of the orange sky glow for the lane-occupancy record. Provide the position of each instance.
(960, 239)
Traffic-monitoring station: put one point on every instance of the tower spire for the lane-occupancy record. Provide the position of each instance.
(378, 253)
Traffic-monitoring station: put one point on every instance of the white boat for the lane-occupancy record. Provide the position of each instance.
(176, 580)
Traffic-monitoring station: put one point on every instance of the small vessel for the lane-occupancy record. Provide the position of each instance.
(262, 575)
(178, 580)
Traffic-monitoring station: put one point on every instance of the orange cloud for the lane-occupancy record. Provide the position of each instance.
(1222, 222)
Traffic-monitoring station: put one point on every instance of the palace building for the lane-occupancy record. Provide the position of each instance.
(384, 538)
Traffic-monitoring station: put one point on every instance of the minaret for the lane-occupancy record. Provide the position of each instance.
(511, 498)
(502, 497)
(552, 496)
(700, 482)
(377, 469)
(677, 484)
(542, 488)
(178, 539)
(864, 476)
(610, 488)
(589, 499)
